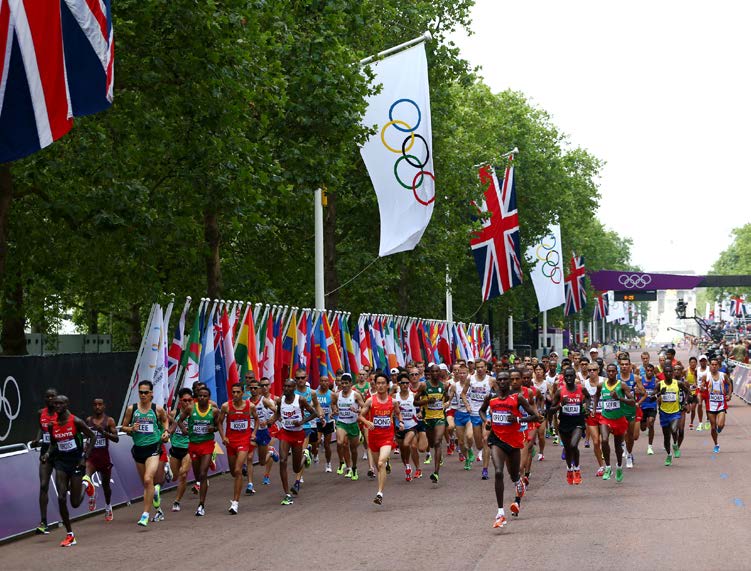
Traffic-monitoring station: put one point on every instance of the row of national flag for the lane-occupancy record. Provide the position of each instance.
(228, 340)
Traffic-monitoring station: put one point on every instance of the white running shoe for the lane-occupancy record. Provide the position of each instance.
(233, 507)
(629, 461)
(328, 467)
(200, 511)
(365, 456)
(650, 452)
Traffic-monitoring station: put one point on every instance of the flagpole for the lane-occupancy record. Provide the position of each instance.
(319, 284)
(418, 40)
(545, 332)
(239, 329)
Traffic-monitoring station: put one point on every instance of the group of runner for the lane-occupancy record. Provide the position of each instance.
(502, 416)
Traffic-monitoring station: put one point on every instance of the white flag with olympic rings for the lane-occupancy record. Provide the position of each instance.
(547, 269)
(399, 155)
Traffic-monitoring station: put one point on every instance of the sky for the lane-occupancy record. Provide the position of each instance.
(659, 90)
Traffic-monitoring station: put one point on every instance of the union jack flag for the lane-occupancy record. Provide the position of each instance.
(576, 294)
(737, 307)
(496, 246)
(56, 62)
(601, 307)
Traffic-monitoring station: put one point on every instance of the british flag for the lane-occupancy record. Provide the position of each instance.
(576, 294)
(737, 307)
(601, 307)
(56, 62)
(496, 246)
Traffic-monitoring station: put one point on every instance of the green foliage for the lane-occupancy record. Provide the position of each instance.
(735, 260)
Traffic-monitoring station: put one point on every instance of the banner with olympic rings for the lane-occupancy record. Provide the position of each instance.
(547, 272)
(399, 155)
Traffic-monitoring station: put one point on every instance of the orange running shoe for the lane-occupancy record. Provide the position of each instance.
(515, 508)
(577, 477)
(500, 521)
(69, 541)
(570, 477)
(418, 473)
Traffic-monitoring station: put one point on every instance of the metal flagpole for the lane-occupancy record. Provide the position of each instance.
(318, 210)
(408, 44)
(511, 332)
(449, 298)
(545, 332)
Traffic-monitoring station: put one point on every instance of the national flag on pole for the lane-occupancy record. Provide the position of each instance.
(175, 353)
(289, 346)
(332, 352)
(576, 294)
(546, 258)
(601, 307)
(399, 156)
(351, 349)
(496, 246)
(366, 355)
(246, 356)
(207, 365)
(229, 354)
(220, 364)
(192, 356)
(737, 307)
(302, 350)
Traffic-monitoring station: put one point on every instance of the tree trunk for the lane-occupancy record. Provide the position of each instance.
(403, 290)
(13, 338)
(213, 266)
(134, 325)
(92, 321)
(6, 197)
(330, 277)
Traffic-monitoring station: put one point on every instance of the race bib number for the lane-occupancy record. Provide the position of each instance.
(46, 437)
(502, 418)
(599, 407)
(100, 442)
(145, 428)
(382, 421)
(611, 404)
(346, 414)
(326, 410)
(239, 425)
(289, 423)
(572, 409)
(200, 429)
(66, 445)
(437, 405)
(669, 397)
(716, 397)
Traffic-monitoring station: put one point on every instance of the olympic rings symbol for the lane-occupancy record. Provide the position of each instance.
(409, 156)
(634, 281)
(7, 407)
(551, 260)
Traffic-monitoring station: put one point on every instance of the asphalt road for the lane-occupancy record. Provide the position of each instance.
(694, 514)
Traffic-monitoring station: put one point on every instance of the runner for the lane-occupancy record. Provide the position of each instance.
(702, 372)
(462, 419)
(104, 429)
(450, 432)
(693, 386)
(144, 421)
(289, 411)
(541, 384)
(47, 416)
(302, 388)
(613, 394)
(178, 454)
(591, 385)
(719, 391)
(505, 440)
(203, 422)
(684, 397)
(632, 413)
(670, 410)
(420, 442)
(385, 412)
(476, 393)
(363, 387)
(433, 396)
(552, 378)
(570, 402)
(66, 452)
(523, 379)
(267, 454)
(648, 404)
(345, 407)
(241, 422)
(326, 427)
(406, 434)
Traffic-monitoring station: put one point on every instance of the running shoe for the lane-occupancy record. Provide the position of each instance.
(365, 456)
(548, 433)
(600, 472)
(586, 443)
(525, 481)
(196, 488)
(42, 529)
(443, 460)
(168, 472)
(328, 469)
(618, 474)
(200, 512)
(340, 469)
(650, 451)
(69, 541)
(500, 521)
(92, 503)
(462, 457)
(157, 496)
(274, 454)
(690, 426)
(676, 451)
(266, 481)
(556, 440)
(629, 461)
(468, 464)
(408, 474)
(306, 457)
(515, 508)
(563, 454)
(355, 476)
(606, 473)
(371, 474)
(521, 489)
(378, 499)
(716, 449)
(108, 514)
(233, 507)
(348, 473)
(175, 506)
(90, 489)
(418, 473)
(249, 489)
(316, 459)
(296, 487)
(577, 477)
(540, 457)
(668, 460)
(707, 425)
(570, 477)
(700, 427)
(144, 521)
(479, 456)
(471, 455)
(450, 449)
(485, 474)
(427, 458)
(158, 516)
(434, 477)
(388, 466)
(287, 500)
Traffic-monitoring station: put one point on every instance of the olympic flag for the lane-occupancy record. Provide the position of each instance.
(547, 272)
(399, 155)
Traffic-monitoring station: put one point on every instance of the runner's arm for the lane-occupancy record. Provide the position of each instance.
(556, 404)
(275, 416)
(628, 397)
(317, 406)
(217, 426)
(164, 419)
(312, 413)
(82, 427)
(256, 421)
(110, 431)
(363, 411)
(220, 419)
(334, 404)
(398, 413)
(484, 408)
(465, 398)
(126, 426)
(532, 415)
(596, 398)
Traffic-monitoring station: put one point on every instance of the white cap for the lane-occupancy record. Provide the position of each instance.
(553, 353)
(703, 357)
(594, 350)
(430, 365)
(443, 367)
(394, 371)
